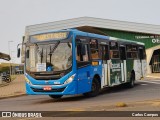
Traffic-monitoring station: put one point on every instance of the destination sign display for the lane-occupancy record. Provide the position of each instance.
(50, 36)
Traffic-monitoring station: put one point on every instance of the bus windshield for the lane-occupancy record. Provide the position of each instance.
(49, 57)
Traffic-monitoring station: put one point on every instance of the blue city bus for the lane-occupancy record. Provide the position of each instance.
(69, 62)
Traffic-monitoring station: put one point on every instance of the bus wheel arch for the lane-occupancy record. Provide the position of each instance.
(96, 76)
(132, 76)
(95, 87)
(131, 83)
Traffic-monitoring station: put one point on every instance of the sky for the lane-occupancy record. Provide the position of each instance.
(15, 15)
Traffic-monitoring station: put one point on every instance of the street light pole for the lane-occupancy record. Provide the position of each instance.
(10, 56)
(12, 61)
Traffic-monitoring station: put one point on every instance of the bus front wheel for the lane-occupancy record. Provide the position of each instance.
(94, 89)
(55, 96)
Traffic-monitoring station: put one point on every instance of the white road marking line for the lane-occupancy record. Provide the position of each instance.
(155, 80)
(153, 77)
(144, 84)
(148, 82)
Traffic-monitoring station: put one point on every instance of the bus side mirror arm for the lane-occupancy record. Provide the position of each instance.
(19, 50)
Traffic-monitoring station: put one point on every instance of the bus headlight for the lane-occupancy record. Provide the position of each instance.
(69, 79)
(27, 80)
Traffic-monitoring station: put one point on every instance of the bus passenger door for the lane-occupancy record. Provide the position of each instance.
(105, 58)
(115, 64)
(123, 63)
(83, 68)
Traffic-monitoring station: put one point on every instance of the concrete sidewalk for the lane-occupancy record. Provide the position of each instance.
(15, 88)
(153, 76)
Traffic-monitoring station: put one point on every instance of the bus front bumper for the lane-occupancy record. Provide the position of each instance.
(68, 89)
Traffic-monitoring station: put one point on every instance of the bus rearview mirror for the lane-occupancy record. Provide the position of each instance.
(18, 52)
(27, 54)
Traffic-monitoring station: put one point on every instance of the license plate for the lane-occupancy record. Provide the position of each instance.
(47, 88)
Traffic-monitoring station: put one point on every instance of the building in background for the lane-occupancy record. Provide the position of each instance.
(146, 33)
(18, 69)
(5, 56)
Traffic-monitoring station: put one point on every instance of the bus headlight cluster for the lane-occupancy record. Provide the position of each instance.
(27, 80)
(70, 79)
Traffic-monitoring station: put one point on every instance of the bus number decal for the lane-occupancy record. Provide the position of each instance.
(95, 69)
(115, 67)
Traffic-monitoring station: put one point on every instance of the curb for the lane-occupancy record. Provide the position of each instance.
(152, 77)
(12, 96)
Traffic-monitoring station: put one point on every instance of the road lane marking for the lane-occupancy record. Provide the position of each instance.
(74, 109)
(156, 81)
(148, 82)
(144, 84)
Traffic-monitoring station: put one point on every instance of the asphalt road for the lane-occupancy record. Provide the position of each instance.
(143, 91)
(149, 90)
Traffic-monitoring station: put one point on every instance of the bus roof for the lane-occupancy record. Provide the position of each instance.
(88, 34)
(104, 37)
(125, 40)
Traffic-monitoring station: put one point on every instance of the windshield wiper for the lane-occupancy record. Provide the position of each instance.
(54, 48)
(40, 52)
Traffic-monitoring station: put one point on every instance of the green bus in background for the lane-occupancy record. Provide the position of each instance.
(126, 62)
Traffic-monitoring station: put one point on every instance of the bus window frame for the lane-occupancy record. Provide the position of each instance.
(103, 42)
(81, 64)
(123, 45)
(118, 45)
(131, 51)
(144, 52)
(98, 48)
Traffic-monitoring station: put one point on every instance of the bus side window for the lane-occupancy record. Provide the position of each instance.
(114, 51)
(132, 52)
(114, 54)
(123, 52)
(94, 49)
(142, 53)
(104, 52)
(82, 52)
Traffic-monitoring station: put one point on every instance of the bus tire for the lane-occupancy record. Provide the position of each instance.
(132, 81)
(95, 89)
(55, 96)
(8, 80)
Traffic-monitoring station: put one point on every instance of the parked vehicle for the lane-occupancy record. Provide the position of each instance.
(6, 77)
